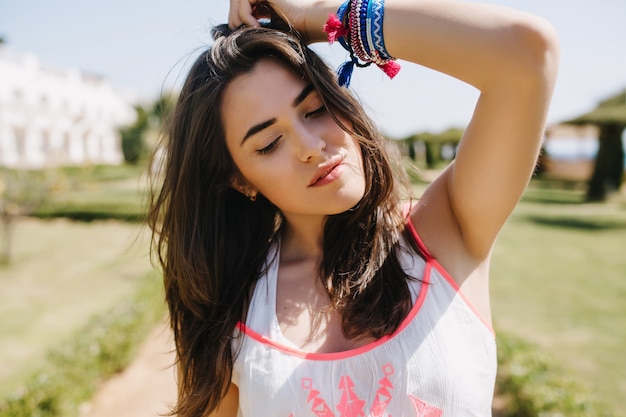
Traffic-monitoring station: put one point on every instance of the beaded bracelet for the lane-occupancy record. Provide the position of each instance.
(361, 36)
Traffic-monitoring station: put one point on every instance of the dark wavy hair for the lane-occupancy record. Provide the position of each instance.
(212, 242)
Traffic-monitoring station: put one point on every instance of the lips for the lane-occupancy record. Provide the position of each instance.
(324, 171)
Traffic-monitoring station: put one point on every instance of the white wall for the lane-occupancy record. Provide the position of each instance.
(57, 117)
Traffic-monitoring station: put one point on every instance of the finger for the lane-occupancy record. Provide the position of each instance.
(233, 15)
(241, 13)
(246, 11)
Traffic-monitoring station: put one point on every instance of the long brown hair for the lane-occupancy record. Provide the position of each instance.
(212, 242)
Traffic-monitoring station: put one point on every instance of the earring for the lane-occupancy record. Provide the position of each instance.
(251, 196)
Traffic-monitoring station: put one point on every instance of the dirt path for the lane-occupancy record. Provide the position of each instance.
(146, 388)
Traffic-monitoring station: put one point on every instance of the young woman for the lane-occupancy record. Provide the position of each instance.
(298, 281)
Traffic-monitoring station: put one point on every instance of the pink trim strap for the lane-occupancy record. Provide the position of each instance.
(431, 260)
(352, 352)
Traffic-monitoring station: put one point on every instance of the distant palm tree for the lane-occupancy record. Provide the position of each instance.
(608, 172)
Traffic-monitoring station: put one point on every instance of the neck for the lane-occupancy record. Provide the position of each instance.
(302, 239)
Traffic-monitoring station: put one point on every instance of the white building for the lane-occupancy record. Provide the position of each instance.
(57, 117)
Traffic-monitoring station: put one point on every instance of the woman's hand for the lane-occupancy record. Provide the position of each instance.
(245, 12)
(306, 16)
(241, 13)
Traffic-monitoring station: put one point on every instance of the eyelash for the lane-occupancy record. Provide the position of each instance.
(317, 112)
(269, 148)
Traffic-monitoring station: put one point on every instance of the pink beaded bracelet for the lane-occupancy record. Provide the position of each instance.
(361, 36)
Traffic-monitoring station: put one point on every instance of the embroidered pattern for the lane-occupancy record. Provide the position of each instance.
(350, 405)
(319, 406)
(383, 395)
(424, 410)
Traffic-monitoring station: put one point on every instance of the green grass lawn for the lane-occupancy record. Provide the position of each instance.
(63, 272)
(559, 282)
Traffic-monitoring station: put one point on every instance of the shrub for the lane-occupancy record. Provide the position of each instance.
(92, 193)
(100, 173)
(536, 387)
(90, 213)
(133, 145)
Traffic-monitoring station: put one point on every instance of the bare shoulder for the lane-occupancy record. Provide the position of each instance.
(229, 405)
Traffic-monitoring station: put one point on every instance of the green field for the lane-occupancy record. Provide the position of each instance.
(559, 282)
(63, 273)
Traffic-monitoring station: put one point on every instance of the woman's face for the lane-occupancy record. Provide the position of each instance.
(287, 146)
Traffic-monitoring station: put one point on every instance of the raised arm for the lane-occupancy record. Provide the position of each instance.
(511, 57)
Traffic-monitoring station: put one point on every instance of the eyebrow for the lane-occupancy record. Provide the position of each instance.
(303, 94)
(263, 125)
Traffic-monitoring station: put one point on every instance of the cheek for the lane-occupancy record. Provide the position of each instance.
(355, 149)
(267, 175)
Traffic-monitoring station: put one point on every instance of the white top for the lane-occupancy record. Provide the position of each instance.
(441, 361)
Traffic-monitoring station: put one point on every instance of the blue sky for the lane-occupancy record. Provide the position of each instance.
(145, 45)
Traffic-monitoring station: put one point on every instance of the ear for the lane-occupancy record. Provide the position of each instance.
(238, 183)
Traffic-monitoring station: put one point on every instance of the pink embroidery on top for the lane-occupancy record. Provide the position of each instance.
(424, 410)
(350, 404)
(383, 395)
(319, 406)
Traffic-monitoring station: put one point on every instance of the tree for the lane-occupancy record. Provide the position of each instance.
(133, 146)
(608, 172)
(161, 109)
(137, 139)
(433, 144)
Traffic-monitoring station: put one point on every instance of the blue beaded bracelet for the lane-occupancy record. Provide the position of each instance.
(361, 36)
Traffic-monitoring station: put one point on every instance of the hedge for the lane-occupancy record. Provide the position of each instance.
(535, 386)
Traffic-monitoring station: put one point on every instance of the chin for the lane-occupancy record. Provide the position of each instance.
(352, 200)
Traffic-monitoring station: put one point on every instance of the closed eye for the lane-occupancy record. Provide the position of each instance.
(269, 148)
(316, 112)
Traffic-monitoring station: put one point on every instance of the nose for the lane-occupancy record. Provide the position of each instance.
(309, 144)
